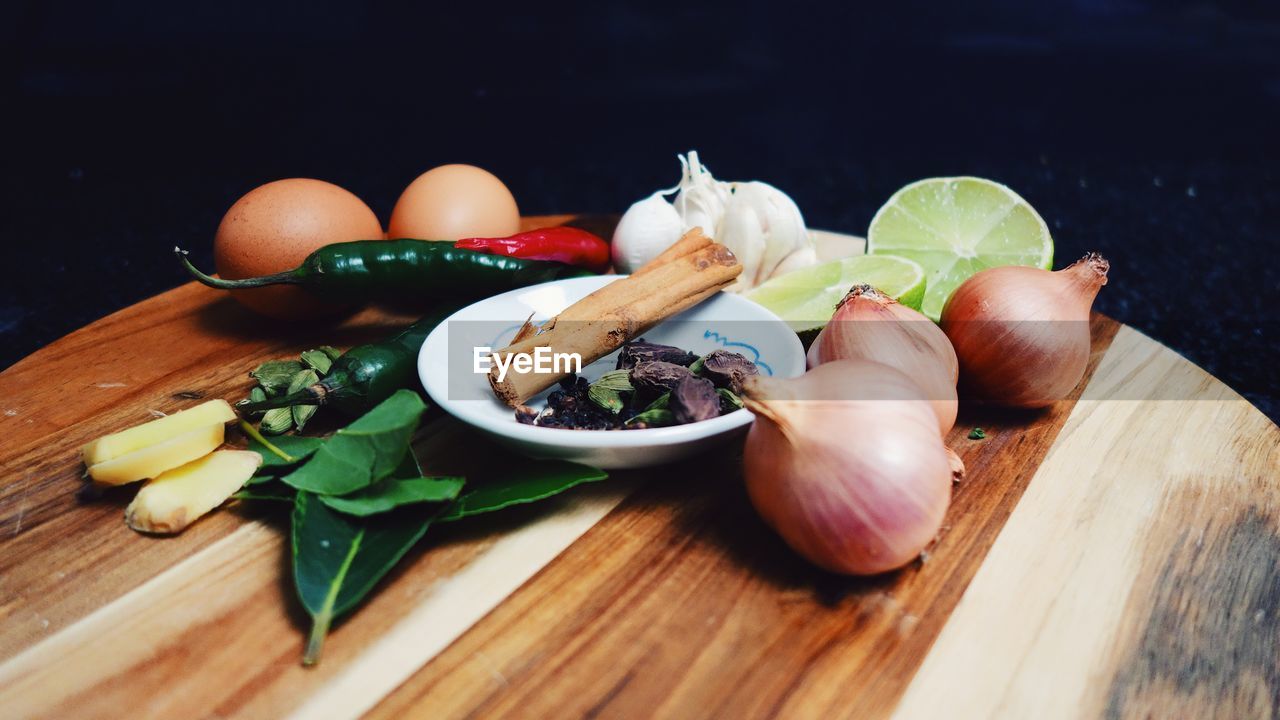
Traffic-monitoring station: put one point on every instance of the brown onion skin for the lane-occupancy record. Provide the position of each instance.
(1022, 334)
(868, 325)
(855, 486)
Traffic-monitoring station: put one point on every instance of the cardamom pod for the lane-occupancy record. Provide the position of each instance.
(317, 360)
(276, 421)
(275, 375)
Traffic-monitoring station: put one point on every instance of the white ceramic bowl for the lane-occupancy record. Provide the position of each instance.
(724, 321)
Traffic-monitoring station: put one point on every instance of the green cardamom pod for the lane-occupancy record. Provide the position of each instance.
(606, 398)
(301, 414)
(619, 380)
(255, 395)
(317, 360)
(661, 403)
(275, 375)
(276, 421)
(729, 401)
(653, 418)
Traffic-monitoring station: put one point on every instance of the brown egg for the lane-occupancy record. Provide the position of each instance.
(275, 227)
(453, 202)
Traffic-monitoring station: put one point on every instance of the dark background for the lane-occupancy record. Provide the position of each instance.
(1147, 131)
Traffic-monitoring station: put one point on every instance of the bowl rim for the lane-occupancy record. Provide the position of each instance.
(584, 439)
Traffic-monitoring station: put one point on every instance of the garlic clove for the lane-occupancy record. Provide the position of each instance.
(741, 232)
(780, 220)
(802, 258)
(647, 228)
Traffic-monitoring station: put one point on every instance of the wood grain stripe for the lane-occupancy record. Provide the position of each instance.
(681, 603)
(1036, 632)
(457, 603)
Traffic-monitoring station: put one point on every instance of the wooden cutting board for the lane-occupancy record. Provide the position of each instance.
(1116, 555)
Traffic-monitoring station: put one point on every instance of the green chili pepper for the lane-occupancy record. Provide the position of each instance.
(365, 375)
(399, 270)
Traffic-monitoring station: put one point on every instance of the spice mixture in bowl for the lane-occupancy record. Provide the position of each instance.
(715, 332)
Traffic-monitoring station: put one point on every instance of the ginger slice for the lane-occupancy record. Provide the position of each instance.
(178, 497)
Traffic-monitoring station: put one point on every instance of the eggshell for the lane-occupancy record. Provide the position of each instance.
(275, 227)
(453, 202)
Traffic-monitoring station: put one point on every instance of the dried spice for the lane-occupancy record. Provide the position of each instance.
(638, 351)
(694, 399)
(727, 369)
(658, 376)
(729, 401)
(651, 393)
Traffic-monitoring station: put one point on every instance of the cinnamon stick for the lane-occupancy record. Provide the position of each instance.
(601, 322)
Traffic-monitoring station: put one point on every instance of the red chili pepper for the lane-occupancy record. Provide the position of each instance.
(570, 245)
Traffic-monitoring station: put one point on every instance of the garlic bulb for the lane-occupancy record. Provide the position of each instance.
(702, 199)
(765, 224)
(758, 222)
(646, 229)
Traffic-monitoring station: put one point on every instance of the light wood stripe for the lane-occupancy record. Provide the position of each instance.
(1037, 631)
(457, 603)
(132, 629)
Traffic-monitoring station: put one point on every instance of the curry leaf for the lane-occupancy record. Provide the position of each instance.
(391, 493)
(365, 451)
(337, 558)
(532, 481)
(268, 490)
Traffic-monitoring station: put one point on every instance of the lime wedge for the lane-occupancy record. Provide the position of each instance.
(955, 227)
(806, 298)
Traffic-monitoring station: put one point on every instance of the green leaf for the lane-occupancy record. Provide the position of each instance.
(317, 360)
(391, 493)
(529, 482)
(268, 491)
(365, 451)
(332, 352)
(729, 401)
(658, 417)
(337, 558)
(297, 447)
(275, 375)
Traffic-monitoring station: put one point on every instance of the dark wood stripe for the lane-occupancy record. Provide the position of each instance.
(1201, 636)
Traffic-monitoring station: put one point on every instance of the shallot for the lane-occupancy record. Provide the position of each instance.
(1022, 333)
(869, 325)
(845, 462)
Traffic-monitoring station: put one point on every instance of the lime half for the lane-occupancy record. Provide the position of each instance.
(955, 227)
(806, 298)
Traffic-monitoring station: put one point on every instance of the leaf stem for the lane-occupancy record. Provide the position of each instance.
(252, 432)
(320, 621)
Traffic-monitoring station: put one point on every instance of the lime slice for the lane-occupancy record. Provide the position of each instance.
(955, 227)
(807, 297)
